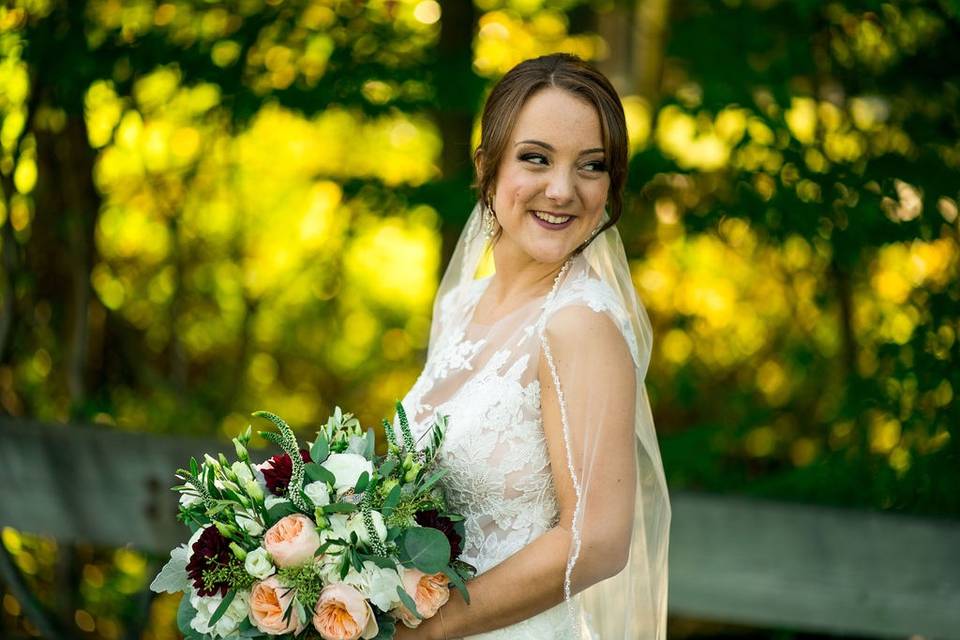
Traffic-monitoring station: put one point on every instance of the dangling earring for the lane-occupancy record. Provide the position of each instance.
(590, 238)
(489, 221)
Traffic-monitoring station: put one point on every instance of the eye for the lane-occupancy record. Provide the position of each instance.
(534, 158)
(598, 166)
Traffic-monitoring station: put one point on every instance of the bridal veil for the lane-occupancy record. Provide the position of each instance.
(633, 603)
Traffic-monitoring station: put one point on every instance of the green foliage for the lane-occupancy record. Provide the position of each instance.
(232, 573)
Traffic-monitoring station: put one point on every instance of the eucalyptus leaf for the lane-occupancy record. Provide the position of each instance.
(279, 510)
(362, 483)
(320, 450)
(391, 501)
(426, 549)
(408, 602)
(432, 480)
(316, 473)
(387, 468)
(371, 445)
(458, 582)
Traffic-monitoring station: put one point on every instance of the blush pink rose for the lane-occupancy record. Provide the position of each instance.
(342, 613)
(429, 593)
(269, 601)
(292, 541)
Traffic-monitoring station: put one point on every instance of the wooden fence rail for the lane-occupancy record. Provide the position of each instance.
(731, 559)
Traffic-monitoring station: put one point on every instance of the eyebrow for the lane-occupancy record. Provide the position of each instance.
(550, 147)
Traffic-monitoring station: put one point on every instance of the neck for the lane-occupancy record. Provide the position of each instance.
(517, 276)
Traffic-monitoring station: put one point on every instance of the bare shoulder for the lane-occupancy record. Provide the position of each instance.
(578, 328)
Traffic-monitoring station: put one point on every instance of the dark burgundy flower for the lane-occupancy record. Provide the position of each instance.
(210, 551)
(277, 473)
(432, 518)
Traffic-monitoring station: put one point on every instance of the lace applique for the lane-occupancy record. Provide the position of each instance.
(597, 295)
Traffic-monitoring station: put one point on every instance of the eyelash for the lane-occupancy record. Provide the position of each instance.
(529, 157)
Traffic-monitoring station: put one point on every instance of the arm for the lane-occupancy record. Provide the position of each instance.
(596, 374)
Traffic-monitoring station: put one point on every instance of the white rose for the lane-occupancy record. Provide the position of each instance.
(377, 584)
(250, 523)
(318, 493)
(347, 469)
(258, 564)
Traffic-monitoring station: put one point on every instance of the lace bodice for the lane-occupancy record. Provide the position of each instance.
(486, 379)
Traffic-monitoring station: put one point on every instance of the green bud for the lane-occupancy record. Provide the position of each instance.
(408, 461)
(225, 530)
(388, 485)
(412, 473)
(321, 519)
(242, 453)
(223, 461)
(238, 551)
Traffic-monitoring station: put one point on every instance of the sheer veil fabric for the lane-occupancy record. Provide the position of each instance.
(633, 603)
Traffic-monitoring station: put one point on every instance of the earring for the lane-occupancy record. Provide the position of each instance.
(489, 221)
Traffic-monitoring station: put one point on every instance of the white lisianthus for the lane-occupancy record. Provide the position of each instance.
(249, 522)
(272, 500)
(242, 469)
(347, 469)
(229, 623)
(258, 564)
(341, 526)
(356, 524)
(318, 493)
(188, 499)
(377, 584)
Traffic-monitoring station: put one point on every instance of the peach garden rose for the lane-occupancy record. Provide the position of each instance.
(269, 601)
(429, 593)
(342, 613)
(292, 541)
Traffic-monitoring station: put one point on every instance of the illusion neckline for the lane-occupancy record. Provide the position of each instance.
(540, 300)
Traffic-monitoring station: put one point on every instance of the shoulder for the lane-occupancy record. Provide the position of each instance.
(587, 312)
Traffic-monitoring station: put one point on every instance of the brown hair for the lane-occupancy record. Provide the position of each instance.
(562, 71)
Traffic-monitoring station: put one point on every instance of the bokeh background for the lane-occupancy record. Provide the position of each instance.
(212, 207)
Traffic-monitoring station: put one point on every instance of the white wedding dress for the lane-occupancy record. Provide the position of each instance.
(485, 378)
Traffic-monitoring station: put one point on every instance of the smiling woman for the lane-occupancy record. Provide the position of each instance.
(551, 453)
(555, 179)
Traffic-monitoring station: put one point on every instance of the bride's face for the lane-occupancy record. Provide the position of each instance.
(552, 183)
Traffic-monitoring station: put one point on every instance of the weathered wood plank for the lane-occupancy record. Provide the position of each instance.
(817, 568)
(731, 559)
(94, 484)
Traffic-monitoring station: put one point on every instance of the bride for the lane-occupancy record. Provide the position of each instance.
(550, 452)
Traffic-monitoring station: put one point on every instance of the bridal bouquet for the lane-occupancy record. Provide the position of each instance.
(328, 541)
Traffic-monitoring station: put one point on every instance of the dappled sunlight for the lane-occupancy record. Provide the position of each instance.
(505, 38)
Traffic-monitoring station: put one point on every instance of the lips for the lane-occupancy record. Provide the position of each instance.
(552, 220)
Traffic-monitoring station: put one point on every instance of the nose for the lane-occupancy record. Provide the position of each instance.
(560, 187)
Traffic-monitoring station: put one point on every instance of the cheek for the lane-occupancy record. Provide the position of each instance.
(517, 187)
